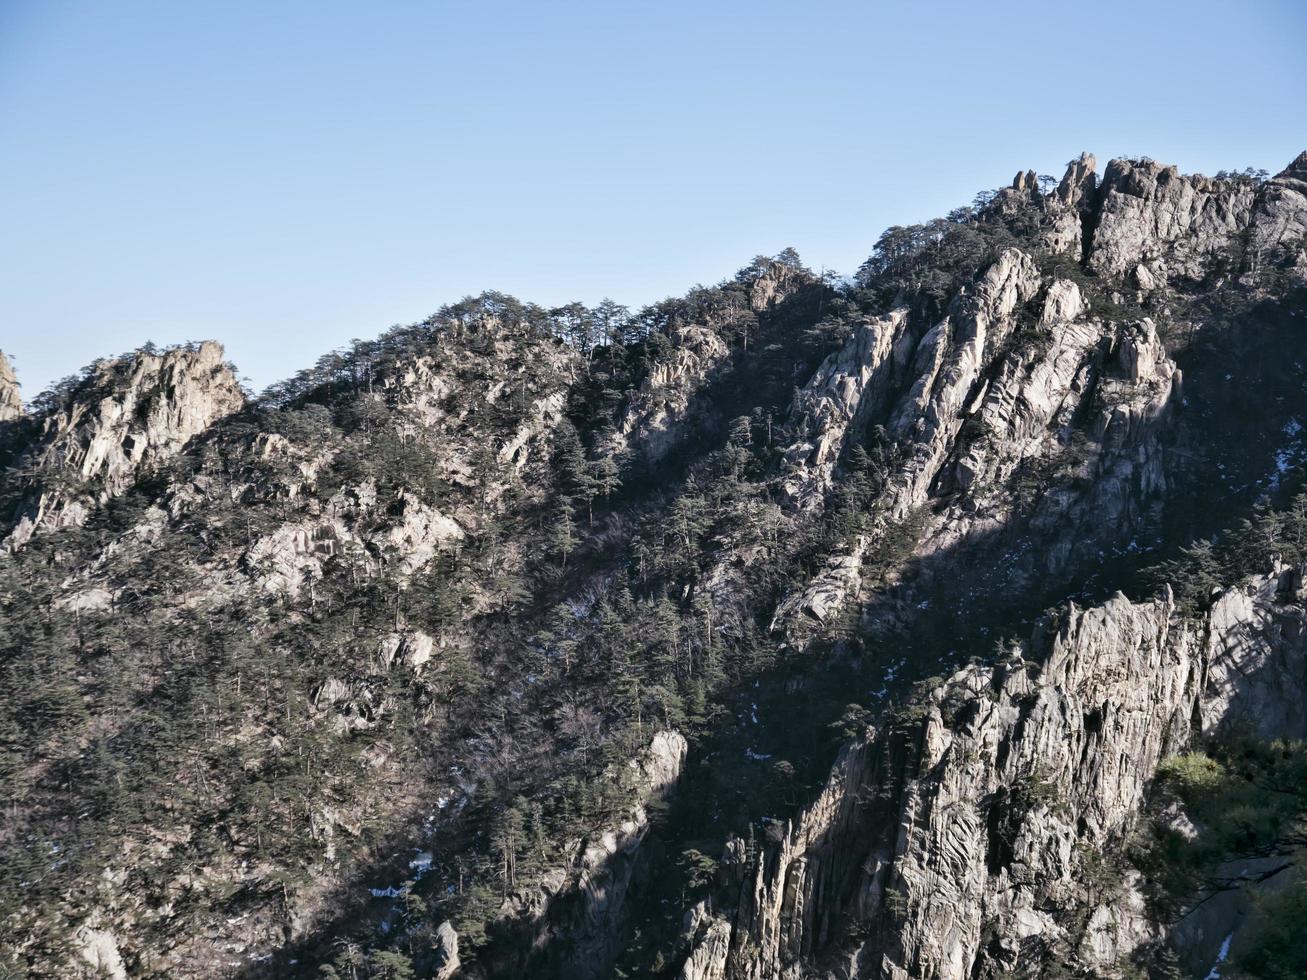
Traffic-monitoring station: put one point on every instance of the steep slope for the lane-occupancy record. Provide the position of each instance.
(494, 646)
(974, 834)
(11, 402)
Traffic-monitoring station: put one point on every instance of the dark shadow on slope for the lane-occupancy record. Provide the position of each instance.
(733, 781)
(796, 707)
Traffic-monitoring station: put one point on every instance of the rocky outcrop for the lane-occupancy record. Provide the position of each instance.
(1256, 670)
(948, 364)
(412, 648)
(654, 419)
(99, 951)
(414, 533)
(771, 281)
(1002, 809)
(957, 841)
(975, 414)
(1070, 207)
(923, 413)
(1172, 225)
(292, 556)
(1027, 183)
(521, 375)
(1078, 184)
(1035, 394)
(1091, 405)
(123, 418)
(447, 962)
(1151, 223)
(11, 402)
(544, 414)
(710, 953)
(1279, 222)
(972, 411)
(405, 536)
(852, 386)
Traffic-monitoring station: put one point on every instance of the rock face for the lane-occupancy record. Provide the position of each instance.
(447, 959)
(388, 638)
(123, 418)
(583, 904)
(1171, 224)
(947, 365)
(1279, 224)
(435, 405)
(970, 413)
(415, 533)
(1256, 674)
(918, 388)
(652, 423)
(955, 842)
(851, 387)
(1072, 205)
(11, 402)
(1078, 184)
(99, 951)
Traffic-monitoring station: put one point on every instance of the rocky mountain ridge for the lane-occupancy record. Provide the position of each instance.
(492, 647)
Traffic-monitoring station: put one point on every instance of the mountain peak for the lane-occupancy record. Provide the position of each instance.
(1297, 167)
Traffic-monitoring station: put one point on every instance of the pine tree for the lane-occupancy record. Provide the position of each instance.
(562, 532)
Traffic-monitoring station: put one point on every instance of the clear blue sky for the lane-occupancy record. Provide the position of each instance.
(284, 176)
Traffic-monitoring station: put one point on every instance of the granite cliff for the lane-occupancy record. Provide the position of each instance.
(793, 628)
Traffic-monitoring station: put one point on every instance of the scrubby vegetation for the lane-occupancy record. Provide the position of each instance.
(229, 693)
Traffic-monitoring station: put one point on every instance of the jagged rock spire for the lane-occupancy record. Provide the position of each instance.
(1026, 183)
(11, 403)
(1077, 186)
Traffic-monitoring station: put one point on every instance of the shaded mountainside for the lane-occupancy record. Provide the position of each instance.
(907, 626)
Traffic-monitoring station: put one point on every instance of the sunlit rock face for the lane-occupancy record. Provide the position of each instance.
(960, 840)
(124, 417)
(777, 636)
(11, 402)
(1171, 225)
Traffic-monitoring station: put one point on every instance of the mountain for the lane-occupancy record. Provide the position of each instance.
(946, 621)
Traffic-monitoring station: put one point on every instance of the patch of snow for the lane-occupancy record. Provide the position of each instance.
(1224, 952)
(421, 864)
(756, 756)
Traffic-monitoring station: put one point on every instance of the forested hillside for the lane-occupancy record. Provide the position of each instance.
(932, 622)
